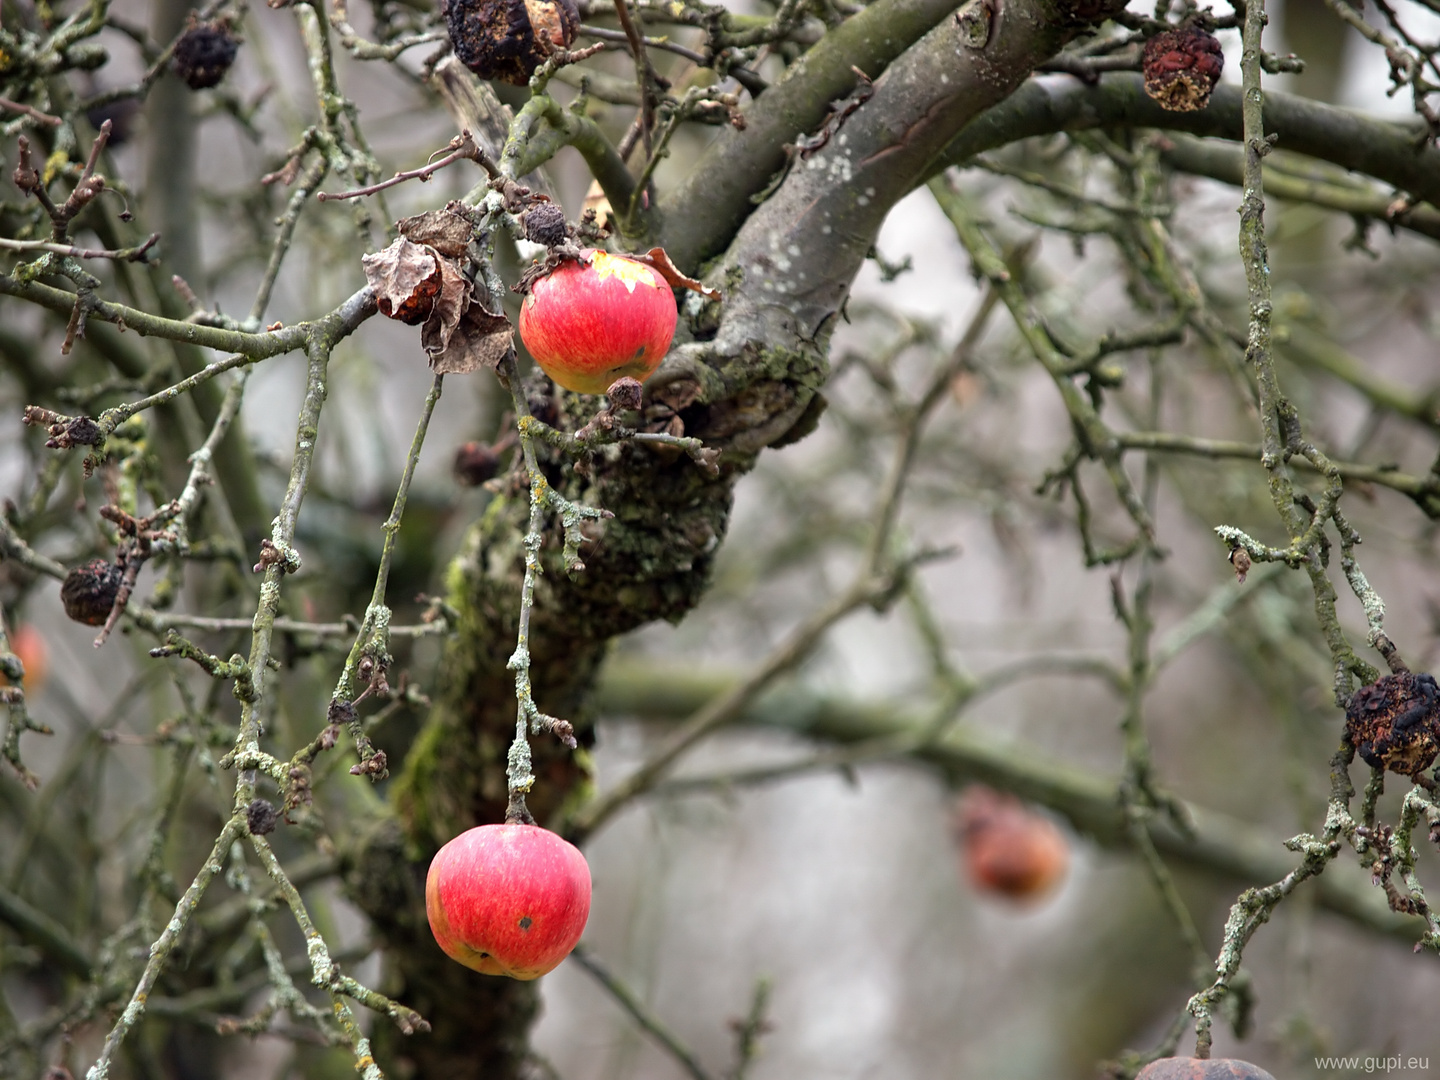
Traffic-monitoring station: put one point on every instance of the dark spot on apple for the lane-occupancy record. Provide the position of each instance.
(526, 922)
(638, 354)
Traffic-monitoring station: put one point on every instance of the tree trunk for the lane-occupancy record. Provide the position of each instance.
(747, 380)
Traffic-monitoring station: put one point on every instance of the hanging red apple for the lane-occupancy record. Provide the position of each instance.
(508, 899)
(1202, 1069)
(590, 323)
(1009, 849)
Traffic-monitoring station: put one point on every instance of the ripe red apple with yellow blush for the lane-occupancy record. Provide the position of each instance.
(508, 899)
(590, 323)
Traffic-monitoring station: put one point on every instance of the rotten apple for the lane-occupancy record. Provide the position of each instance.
(508, 899)
(590, 323)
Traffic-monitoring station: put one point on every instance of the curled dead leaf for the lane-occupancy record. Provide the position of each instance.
(417, 283)
(448, 230)
(450, 305)
(660, 262)
(479, 342)
(462, 334)
(407, 279)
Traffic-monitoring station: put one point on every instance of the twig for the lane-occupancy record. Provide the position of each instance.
(165, 944)
(39, 927)
(462, 148)
(327, 976)
(644, 73)
(31, 111)
(131, 254)
(519, 778)
(626, 999)
(288, 221)
(1249, 912)
(257, 346)
(164, 620)
(1095, 438)
(1279, 438)
(749, 1030)
(13, 547)
(372, 643)
(743, 75)
(361, 49)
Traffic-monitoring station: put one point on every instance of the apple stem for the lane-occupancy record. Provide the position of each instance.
(516, 812)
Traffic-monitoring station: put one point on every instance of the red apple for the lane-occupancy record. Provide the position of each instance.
(588, 324)
(508, 899)
(1202, 1069)
(1009, 849)
(29, 645)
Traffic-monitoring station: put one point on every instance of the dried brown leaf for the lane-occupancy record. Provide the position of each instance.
(406, 278)
(447, 231)
(480, 342)
(450, 305)
(657, 258)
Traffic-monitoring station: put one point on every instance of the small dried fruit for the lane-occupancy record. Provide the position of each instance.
(88, 592)
(625, 395)
(261, 817)
(508, 39)
(1182, 67)
(1202, 1069)
(204, 53)
(545, 224)
(1394, 723)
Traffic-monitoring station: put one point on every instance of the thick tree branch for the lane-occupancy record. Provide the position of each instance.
(1225, 163)
(797, 255)
(342, 321)
(1378, 148)
(701, 216)
(1220, 844)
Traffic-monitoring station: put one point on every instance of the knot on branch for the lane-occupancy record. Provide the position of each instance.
(272, 554)
(375, 766)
